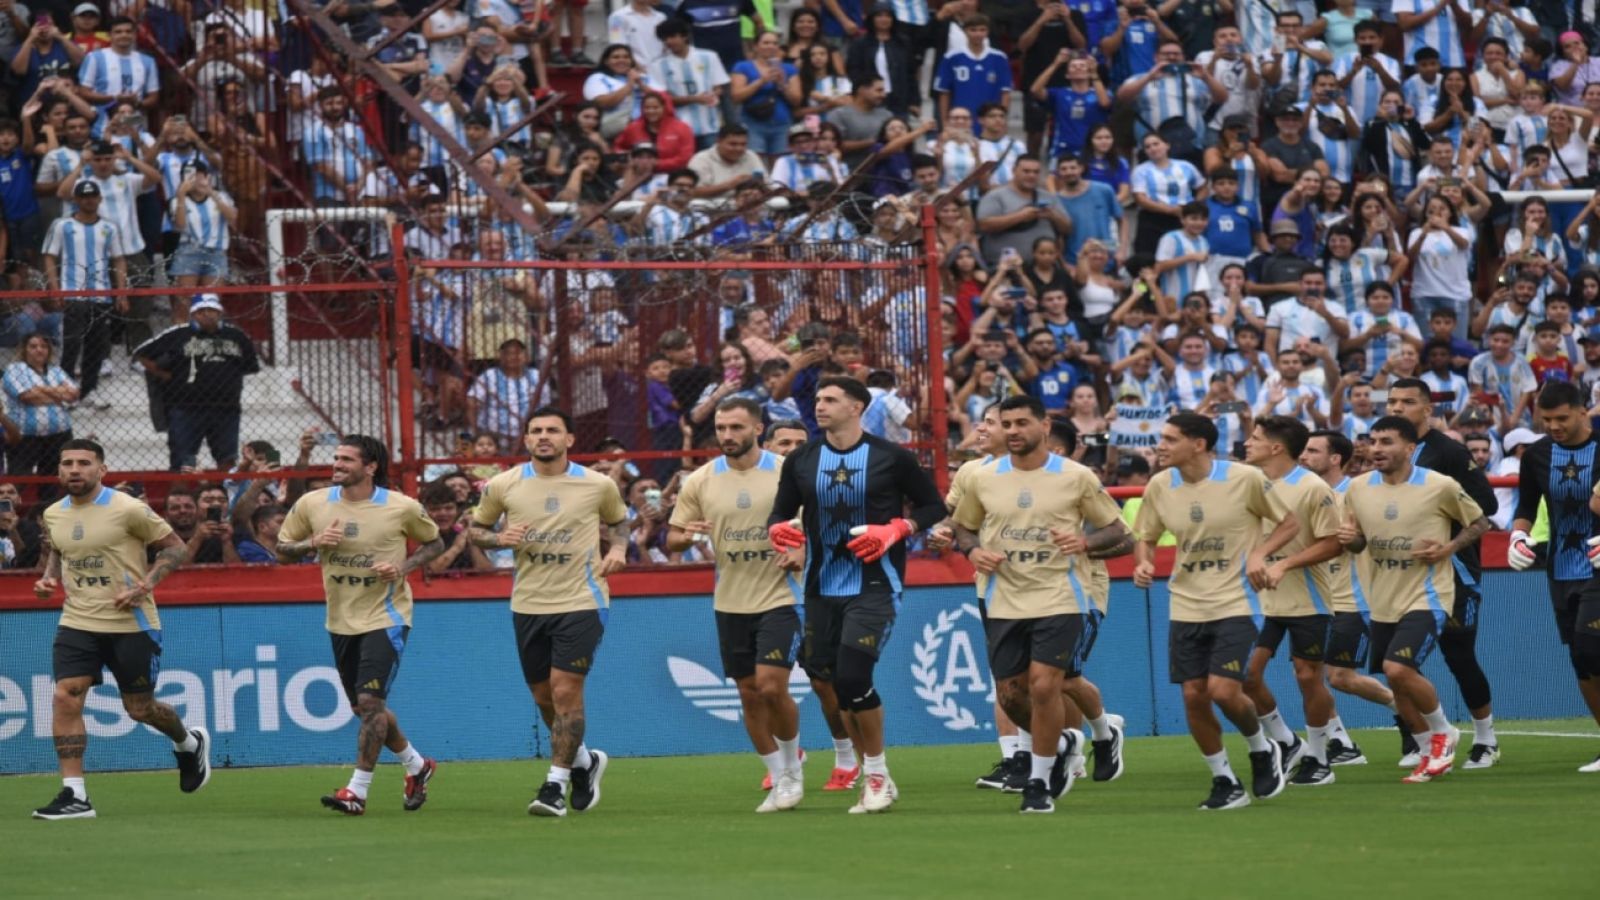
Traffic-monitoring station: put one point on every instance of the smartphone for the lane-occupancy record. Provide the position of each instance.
(1093, 441)
(273, 456)
(1233, 406)
(213, 514)
(1380, 398)
(5, 507)
(1487, 399)
(1442, 396)
(652, 497)
(327, 438)
(1015, 293)
(1381, 321)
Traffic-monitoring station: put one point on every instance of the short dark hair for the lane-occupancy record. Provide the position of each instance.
(1415, 384)
(1502, 328)
(115, 21)
(777, 365)
(1286, 430)
(852, 388)
(745, 403)
(1372, 26)
(548, 411)
(1338, 444)
(923, 161)
(268, 510)
(786, 425)
(881, 378)
(1194, 425)
(1223, 173)
(1067, 433)
(86, 444)
(691, 174)
(672, 27)
(1027, 402)
(1442, 312)
(372, 451)
(436, 493)
(1398, 425)
(1547, 327)
(1436, 344)
(1556, 394)
(732, 129)
(1194, 208)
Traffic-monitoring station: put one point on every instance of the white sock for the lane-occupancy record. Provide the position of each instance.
(875, 765)
(774, 763)
(1437, 723)
(1276, 729)
(560, 775)
(1483, 730)
(1024, 739)
(1219, 765)
(583, 759)
(1335, 729)
(1422, 738)
(790, 750)
(1317, 743)
(1041, 767)
(359, 782)
(844, 754)
(76, 785)
(189, 744)
(1258, 741)
(1009, 745)
(411, 759)
(1100, 728)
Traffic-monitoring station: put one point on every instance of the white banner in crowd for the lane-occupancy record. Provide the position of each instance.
(1137, 426)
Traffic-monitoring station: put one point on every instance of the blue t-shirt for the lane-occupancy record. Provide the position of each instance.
(752, 72)
(1075, 113)
(715, 26)
(830, 25)
(973, 82)
(1230, 228)
(16, 187)
(1054, 385)
(1137, 53)
(1112, 171)
(1093, 213)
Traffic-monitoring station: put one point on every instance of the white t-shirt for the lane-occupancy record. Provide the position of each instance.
(1439, 266)
(1295, 321)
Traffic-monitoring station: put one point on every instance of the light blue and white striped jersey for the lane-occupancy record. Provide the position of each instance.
(1500, 26)
(433, 150)
(1423, 97)
(666, 225)
(509, 13)
(1121, 342)
(1339, 154)
(1402, 170)
(1249, 183)
(1523, 323)
(1258, 21)
(1189, 386)
(119, 197)
(1366, 89)
(1003, 153)
(1246, 381)
(957, 160)
(1178, 282)
(439, 315)
(204, 228)
(798, 175)
(1523, 132)
(1296, 70)
(1449, 382)
(1152, 388)
(1379, 349)
(1354, 425)
(1440, 32)
(907, 316)
(106, 71)
(910, 12)
(57, 164)
(830, 229)
(1229, 433)
(1348, 278)
(1162, 99)
(36, 421)
(504, 399)
(344, 148)
(84, 254)
(1552, 247)
(696, 73)
(886, 415)
(1174, 183)
(1510, 379)
(170, 165)
(504, 115)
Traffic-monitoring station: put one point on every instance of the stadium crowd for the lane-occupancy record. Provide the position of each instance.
(1237, 207)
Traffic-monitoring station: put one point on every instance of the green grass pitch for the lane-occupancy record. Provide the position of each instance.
(686, 827)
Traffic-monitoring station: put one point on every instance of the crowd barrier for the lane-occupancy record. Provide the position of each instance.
(259, 675)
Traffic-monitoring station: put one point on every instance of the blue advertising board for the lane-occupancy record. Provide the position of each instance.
(260, 677)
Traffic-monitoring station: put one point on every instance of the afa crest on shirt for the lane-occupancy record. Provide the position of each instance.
(1197, 513)
(1392, 511)
(351, 530)
(1025, 499)
(77, 531)
(743, 500)
(552, 504)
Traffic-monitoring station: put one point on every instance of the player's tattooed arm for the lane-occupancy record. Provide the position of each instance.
(293, 551)
(1111, 541)
(170, 554)
(486, 537)
(1469, 535)
(425, 554)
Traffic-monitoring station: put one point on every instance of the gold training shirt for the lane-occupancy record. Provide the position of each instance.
(737, 504)
(1394, 518)
(375, 531)
(1309, 590)
(1217, 522)
(102, 547)
(1013, 511)
(1357, 567)
(958, 489)
(556, 560)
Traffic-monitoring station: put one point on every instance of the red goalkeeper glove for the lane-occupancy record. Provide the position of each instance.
(786, 535)
(873, 541)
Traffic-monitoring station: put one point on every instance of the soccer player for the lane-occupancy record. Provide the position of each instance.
(1216, 509)
(1404, 516)
(1345, 655)
(358, 529)
(1020, 522)
(98, 537)
(1410, 399)
(553, 510)
(756, 601)
(854, 488)
(1560, 469)
(1296, 605)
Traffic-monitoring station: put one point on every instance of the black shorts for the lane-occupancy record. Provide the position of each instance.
(1308, 635)
(1463, 616)
(1062, 641)
(1565, 598)
(1409, 641)
(747, 640)
(134, 657)
(435, 357)
(1586, 637)
(25, 238)
(1221, 648)
(863, 622)
(1347, 640)
(565, 641)
(369, 663)
(1035, 115)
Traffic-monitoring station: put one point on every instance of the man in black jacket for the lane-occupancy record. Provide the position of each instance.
(200, 370)
(899, 72)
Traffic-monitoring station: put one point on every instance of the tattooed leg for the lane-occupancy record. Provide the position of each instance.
(567, 723)
(374, 731)
(397, 738)
(163, 718)
(66, 725)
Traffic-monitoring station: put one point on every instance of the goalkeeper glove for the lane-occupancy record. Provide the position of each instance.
(873, 541)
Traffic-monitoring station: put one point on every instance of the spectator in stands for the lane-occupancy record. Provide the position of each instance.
(816, 87)
(1574, 71)
(694, 77)
(499, 399)
(224, 57)
(739, 379)
(261, 545)
(203, 217)
(1173, 89)
(634, 25)
(39, 398)
(502, 302)
(1288, 153)
(47, 54)
(65, 150)
(753, 326)
(460, 554)
(1500, 372)
(975, 75)
(885, 52)
(119, 71)
(1307, 316)
(1287, 395)
(336, 150)
(20, 534)
(861, 121)
(649, 511)
(656, 127)
(86, 31)
(85, 252)
(1275, 275)
(200, 371)
(207, 536)
(447, 29)
(667, 218)
(1015, 215)
(725, 166)
(715, 26)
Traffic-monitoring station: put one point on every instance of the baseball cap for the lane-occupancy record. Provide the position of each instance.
(1518, 437)
(195, 165)
(1591, 336)
(86, 9)
(205, 301)
(102, 148)
(800, 128)
(86, 188)
(644, 148)
(1285, 226)
(1236, 120)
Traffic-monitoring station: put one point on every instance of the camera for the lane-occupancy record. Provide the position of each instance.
(213, 514)
(327, 438)
(1094, 441)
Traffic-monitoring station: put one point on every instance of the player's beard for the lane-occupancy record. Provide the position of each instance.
(735, 450)
(82, 488)
(547, 457)
(1026, 447)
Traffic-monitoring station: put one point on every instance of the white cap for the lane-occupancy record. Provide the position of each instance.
(1518, 437)
(205, 301)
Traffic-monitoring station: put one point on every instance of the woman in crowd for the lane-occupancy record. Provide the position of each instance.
(616, 86)
(672, 137)
(39, 397)
(1102, 163)
(1441, 249)
(805, 32)
(245, 140)
(760, 85)
(816, 89)
(739, 379)
(583, 130)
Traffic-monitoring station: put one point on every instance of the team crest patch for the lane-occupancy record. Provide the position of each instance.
(1392, 511)
(1025, 499)
(552, 504)
(1197, 513)
(351, 530)
(743, 500)
(77, 531)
